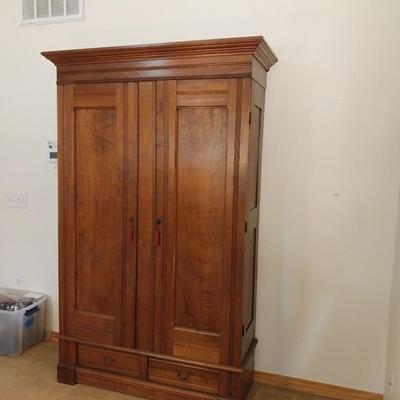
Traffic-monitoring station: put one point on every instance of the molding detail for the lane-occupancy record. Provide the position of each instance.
(244, 46)
(195, 59)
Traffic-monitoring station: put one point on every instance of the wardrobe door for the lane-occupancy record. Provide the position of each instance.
(200, 142)
(95, 218)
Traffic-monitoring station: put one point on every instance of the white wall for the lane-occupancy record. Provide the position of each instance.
(392, 388)
(330, 170)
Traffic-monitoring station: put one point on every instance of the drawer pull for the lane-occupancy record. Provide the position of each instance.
(183, 375)
(108, 360)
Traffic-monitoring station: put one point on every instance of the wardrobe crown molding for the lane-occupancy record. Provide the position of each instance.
(179, 60)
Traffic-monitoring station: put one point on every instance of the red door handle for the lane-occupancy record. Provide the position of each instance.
(131, 234)
(157, 238)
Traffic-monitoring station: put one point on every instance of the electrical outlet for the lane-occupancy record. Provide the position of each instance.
(18, 282)
(17, 200)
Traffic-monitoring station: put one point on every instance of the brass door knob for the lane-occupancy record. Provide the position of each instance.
(108, 360)
(183, 375)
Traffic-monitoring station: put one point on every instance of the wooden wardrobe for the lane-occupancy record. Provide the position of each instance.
(159, 182)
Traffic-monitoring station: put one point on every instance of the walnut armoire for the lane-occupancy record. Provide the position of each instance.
(159, 182)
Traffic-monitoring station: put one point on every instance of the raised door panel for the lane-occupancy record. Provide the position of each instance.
(98, 190)
(200, 174)
(201, 161)
(95, 217)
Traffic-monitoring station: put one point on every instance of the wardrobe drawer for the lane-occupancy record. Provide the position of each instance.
(110, 361)
(183, 376)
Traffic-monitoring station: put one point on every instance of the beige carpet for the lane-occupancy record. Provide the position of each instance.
(33, 377)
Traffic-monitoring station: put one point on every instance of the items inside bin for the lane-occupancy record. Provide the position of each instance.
(14, 303)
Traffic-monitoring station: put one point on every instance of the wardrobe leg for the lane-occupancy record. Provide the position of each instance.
(66, 374)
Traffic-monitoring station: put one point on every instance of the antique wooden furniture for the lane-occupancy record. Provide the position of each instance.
(159, 181)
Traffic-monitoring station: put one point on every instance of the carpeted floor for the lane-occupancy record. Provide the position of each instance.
(33, 377)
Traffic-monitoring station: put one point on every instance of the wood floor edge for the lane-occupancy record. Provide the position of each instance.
(300, 385)
(314, 388)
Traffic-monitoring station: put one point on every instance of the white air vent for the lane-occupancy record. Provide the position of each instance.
(49, 11)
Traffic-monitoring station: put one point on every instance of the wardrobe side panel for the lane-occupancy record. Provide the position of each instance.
(252, 215)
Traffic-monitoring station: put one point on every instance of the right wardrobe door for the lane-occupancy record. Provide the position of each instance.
(200, 159)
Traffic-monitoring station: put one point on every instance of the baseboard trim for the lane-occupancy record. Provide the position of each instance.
(299, 385)
(53, 337)
(314, 388)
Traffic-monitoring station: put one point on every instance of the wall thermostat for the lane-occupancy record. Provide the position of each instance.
(52, 144)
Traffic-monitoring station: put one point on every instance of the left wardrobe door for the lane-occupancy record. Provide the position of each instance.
(99, 216)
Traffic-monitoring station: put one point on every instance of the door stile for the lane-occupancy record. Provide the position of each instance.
(131, 217)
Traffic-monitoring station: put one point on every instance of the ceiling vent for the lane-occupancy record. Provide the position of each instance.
(51, 11)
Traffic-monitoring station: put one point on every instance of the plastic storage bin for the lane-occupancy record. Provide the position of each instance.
(22, 316)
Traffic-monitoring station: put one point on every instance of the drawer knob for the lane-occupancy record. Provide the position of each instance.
(108, 360)
(183, 375)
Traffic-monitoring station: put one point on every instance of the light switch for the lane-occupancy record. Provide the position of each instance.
(17, 200)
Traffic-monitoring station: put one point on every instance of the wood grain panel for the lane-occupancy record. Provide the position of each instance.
(88, 325)
(200, 379)
(254, 159)
(204, 69)
(145, 292)
(253, 171)
(170, 216)
(221, 58)
(210, 92)
(162, 121)
(131, 154)
(249, 278)
(111, 361)
(67, 362)
(160, 356)
(200, 203)
(200, 176)
(136, 387)
(200, 345)
(99, 188)
(94, 96)
(94, 200)
(159, 52)
(240, 212)
(259, 73)
(192, 352)
(62, 285)
(204, 340)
